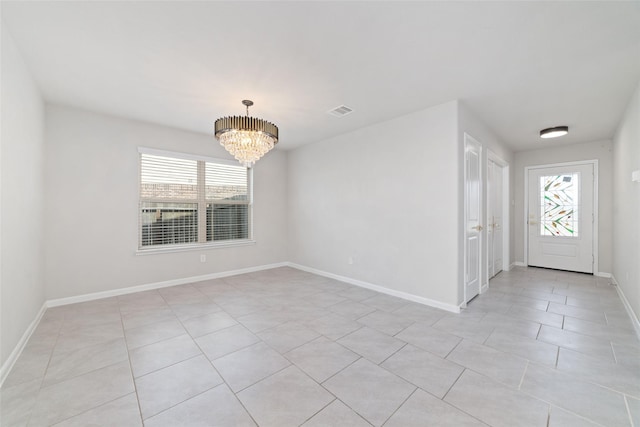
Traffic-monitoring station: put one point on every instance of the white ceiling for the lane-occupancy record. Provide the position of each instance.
(521, 66)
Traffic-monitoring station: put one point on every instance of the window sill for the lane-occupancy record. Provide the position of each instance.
(194, 247)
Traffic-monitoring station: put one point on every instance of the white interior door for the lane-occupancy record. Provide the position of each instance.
(473, 216)
(560, 218)
(494, 218)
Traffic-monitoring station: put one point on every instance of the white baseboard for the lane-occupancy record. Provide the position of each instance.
(519, 264)
(192, 279)
(6, 367)
(17, 351)
(159, 285)
(627, 306)
(602, 274)
(381, 289)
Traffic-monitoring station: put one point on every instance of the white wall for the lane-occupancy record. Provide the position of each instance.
(626, 204)
(469, 123)
(600, 150)
(22, 201)
(386, 196)
(92, 198)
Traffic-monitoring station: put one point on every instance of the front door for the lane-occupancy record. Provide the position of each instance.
(560, 218)
(473, 218)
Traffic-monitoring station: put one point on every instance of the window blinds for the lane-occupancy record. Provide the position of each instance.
(191, 201)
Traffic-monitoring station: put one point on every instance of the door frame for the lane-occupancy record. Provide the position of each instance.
(506, 250)
(594, 164)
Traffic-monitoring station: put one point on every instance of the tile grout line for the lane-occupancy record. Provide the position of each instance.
(327, 379)
(64, 318)
(261, 379)
(53, 348)
(401, 404)
(582, 417)
(202, 353)
(42, 386)
(334, 341)
(322, 387)
(133, 379)
(524, 373)
(613, 350)
(99, 406)
(459, 342)
(168, 366)
(389, 357)
(345, 404)
(454, 383)
(183, 401)
(224, 382)
(626, 404)
(543, 399)
(350, 364)
(318, 411)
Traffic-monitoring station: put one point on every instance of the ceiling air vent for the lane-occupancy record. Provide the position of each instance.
(340, 111)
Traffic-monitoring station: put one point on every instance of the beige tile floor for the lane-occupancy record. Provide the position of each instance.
(287, 348)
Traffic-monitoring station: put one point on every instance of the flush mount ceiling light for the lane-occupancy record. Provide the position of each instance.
(554, 132)
(246, 138)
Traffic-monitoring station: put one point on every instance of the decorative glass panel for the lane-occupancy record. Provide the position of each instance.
(559, 205)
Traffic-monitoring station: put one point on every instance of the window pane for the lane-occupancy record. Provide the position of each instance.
(559, 205)
(168, 178)
(192, 201)
(227, 222)
(225, 182)
(168, 223)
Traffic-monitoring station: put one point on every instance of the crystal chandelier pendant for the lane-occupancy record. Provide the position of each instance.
(246, 138)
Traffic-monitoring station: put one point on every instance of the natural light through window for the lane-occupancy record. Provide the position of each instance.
(191, 201)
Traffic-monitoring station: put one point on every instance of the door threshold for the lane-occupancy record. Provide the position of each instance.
(559, 269)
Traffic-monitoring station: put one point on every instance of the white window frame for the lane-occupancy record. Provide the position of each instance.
(201, 201)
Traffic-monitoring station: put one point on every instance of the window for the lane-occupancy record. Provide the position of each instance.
(189, 200)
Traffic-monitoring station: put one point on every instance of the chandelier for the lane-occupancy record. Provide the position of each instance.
(246, 138)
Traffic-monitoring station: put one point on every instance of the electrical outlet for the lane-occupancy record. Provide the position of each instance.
(350, 260)
(203, 258)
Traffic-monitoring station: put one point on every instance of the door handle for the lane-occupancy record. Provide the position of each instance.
(477, 228)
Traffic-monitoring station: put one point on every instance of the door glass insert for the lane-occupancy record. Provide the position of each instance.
(559, 205)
